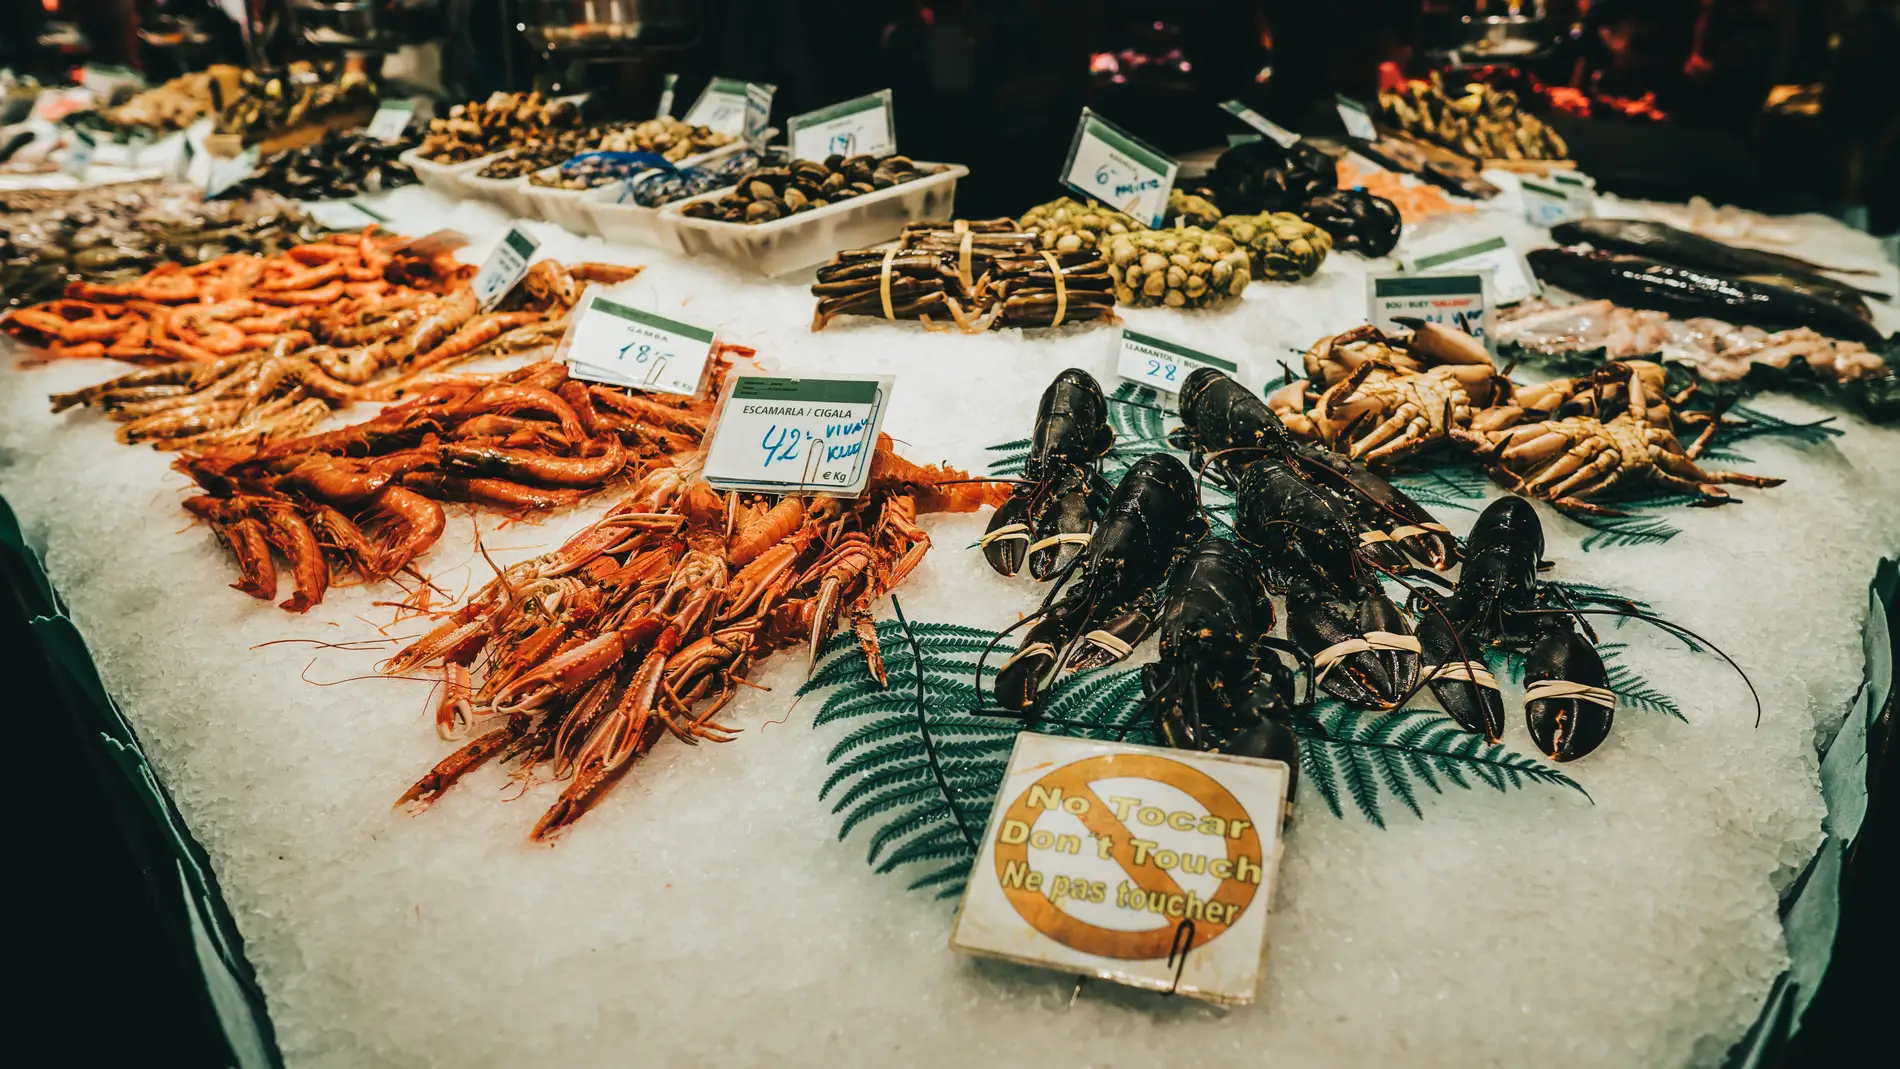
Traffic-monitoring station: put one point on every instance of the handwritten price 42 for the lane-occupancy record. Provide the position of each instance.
(781, 443)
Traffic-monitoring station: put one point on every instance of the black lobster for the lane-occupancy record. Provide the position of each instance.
(1047, 520)
(1218, 685)
(1151, 520)
(1338, 615)
(1498, 601)
(1229, 426)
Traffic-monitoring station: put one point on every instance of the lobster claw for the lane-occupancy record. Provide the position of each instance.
(1113, 641)
(1006, 541)
(1020, 680)
(1464, 688)
(1568, 705)
(1365, 654)
(1060, 521)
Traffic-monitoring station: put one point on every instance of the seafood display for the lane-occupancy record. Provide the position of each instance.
(1262, 176)
(981, 275)
(367, 499)
(575, 663)
(265, 105)
(1067, 225)
(1415, 201)
(774, 192)
(537, 152)
(1637, 282)
(647, 186)
(482, 127)
(664, 136)
(113, 234)
(1480, 121)
(1566, 441)
(1665, 243)
(337, 167)
(176, 104)
(1184, 268)
(1719, 351)
(1281, 246)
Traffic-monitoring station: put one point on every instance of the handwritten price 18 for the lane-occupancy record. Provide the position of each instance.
(643, 352)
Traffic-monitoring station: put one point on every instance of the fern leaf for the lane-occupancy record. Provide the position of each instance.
(1317, 764)
(1612, 531)
(866, 760)
(863, 703)
(884, 802)
(1019, 444)
(1410, 738)
(904, 825)
(945, 844)
(947, 874)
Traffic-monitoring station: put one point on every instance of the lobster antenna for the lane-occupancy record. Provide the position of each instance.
(1673, 628)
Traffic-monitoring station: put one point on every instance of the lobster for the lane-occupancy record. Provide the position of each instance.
(1048, 518)
(1218, 685)
(1226, 426)
(1498, 601)
(1152, 518)
(1337, 613)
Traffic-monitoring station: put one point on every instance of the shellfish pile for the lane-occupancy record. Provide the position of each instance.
(774, 192)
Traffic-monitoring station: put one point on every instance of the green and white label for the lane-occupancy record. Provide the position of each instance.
(78, 155)
(1357, 119)
(227, 173)
(721, 106)
(1160, 363)
(1457, 299)
(1109, 164)
(391, 120)
(1260, 122)
(342, 214)
(1548, 205)
(505, 266)
(1511, 280)
(858, 127)
(619, 344)
(779, 435)
(666, 96)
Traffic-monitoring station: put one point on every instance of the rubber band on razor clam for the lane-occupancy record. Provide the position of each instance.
(1226, 427)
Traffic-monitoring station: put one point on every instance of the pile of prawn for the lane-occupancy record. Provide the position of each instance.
(367, 499)
(575, 663)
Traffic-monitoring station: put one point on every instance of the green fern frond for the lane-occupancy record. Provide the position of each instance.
(947, 874)
(1022, 444)
(1612, 531)
(1316, 767)
(898, 726)
(1631, 688)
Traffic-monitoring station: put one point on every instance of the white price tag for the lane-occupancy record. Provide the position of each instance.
(863, 126)
(1580, 188)
(505, 266)
(780, 435)
(391, 120)
(341, 214)
(1458, 299)
(1162, 364)
(1149, 867)
(229, 172)
(721, 107)
(1252, 118)
(78, 156)
(615, 343)
(1111, 165)
(1358, 121)
(1548, 205)
(666, 96)
(1511, 280)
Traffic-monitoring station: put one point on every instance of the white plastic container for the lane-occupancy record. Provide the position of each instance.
(510, 194)
(627, 222)
(446, 178)
(566, 208)
(808, 238)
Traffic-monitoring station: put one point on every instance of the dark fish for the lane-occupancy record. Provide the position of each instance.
(1636, 282)
(1672, 245)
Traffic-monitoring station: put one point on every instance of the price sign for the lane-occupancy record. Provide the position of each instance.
(1358, 121)
(1458, 299)
(1160, 363)
(78, 155)
(342, 214)
(758, 111)
(733, 107)
(1548, 205)
(666, 96)
(616, 343)
(780, 435)
(1252, 118)
(505, 266)
(1580, 188)
(227, 173)
(1145, 866)
(1511, 280)
(391, 120)
(1111, 165)
(863, 126)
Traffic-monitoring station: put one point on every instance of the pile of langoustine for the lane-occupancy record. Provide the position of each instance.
(240, 373)
(650, 620)
(366, 499)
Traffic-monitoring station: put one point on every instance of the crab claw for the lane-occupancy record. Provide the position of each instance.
(1445, 345)
(1365, 653)
(1567, 702)
(1005, 543)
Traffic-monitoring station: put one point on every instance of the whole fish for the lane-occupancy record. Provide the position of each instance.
(1673, 245)
(1684, 292)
